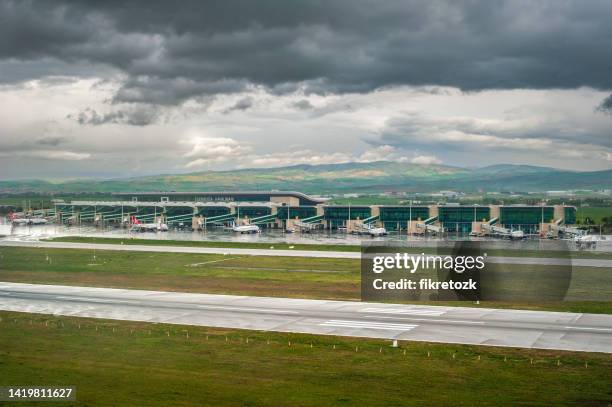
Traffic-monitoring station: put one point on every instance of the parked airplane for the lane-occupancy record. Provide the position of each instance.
(491, 229)
(147, 227)
(517, 234)
(369, 230)
(377, 232)
(245, 228)
(20, 221)
(28, 221)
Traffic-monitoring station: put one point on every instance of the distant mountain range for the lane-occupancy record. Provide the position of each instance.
(333, 178)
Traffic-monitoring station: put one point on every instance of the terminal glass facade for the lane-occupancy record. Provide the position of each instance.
(403, 213)
(570, 215)
(210, 211)
(526, 218)
(459, 218)
(253, 211)
(338, 215)
(463, 214)
(343, 212)
(302, 212)
(396, 218)
(526, 215)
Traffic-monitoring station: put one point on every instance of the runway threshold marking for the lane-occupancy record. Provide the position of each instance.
(401, 311)
(368, 325)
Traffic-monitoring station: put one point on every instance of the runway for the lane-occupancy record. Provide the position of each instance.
(463, 325)
(600, 263)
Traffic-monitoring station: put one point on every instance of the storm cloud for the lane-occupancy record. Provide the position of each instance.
(171, 52)
(134, 116)
(114, 88)
(241, 105)
(606, 105)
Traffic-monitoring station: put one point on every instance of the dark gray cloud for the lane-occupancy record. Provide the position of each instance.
(171, 52)
(606, 105)
(53, 141)
(135, 116)
(303, 105)
(241, 105)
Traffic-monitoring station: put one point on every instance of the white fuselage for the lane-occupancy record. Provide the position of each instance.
(589, 238)
(150, 227)
(517, 234)
(38, 221)
(29, 221)
(377, 231)
(245, 228)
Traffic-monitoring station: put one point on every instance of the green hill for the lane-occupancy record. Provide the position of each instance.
(330, 178)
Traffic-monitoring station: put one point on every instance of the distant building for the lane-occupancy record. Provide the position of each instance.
(560, 193)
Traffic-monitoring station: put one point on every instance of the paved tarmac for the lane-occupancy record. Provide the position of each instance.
(477, 326)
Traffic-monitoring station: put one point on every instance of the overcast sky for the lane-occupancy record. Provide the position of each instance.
(101, 89)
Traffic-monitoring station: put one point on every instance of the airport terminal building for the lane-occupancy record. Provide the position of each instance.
(298, 211)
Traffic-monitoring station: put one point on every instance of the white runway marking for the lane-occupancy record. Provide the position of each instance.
(219, 307)
(449, 321)
(482, 326)
(89, 299)
(588, 328)
(368, 325)
(401, 311)
(209, 262)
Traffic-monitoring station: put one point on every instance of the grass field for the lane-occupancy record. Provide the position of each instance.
(131, 363)
(593, 212)
(315, 247)
(317, 278)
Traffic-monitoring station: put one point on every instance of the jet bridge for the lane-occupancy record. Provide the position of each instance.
(309, 224)
(313, 219)
(44, 212)
(146, 216)
(111, 215)
(220, 219)
(186, 217)
(559, 228)
(262, 220)
(371, 219)
(428, 225)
